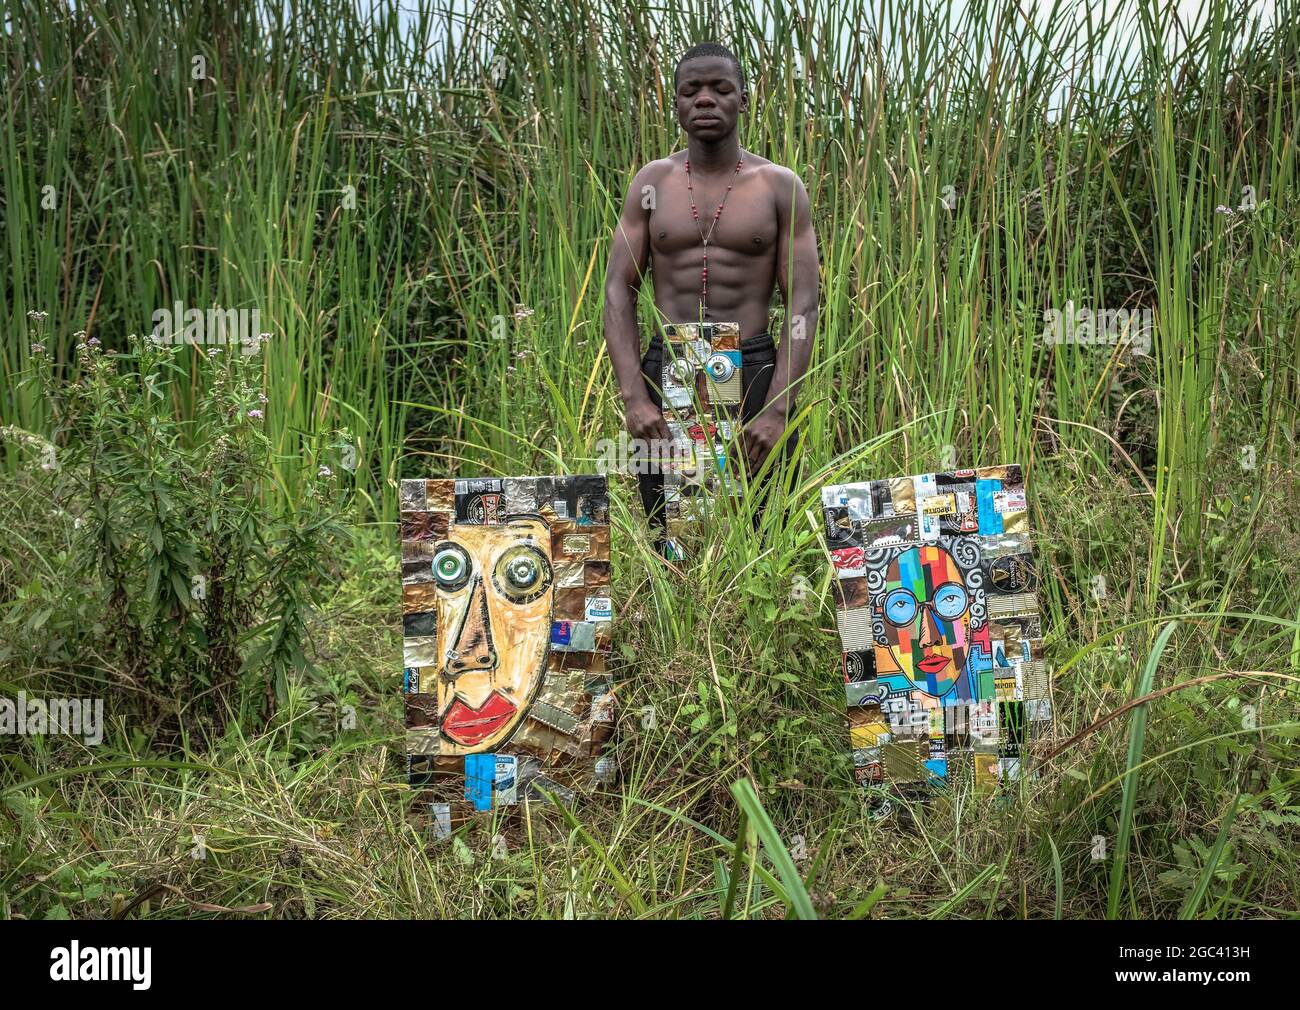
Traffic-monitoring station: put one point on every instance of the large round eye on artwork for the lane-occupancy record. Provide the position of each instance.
(451, 567)
(522, 573)
(950, 601)
(900, 608)
(681, 371)
(721, 368)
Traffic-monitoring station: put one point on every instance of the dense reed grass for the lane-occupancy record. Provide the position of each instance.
(969, 172)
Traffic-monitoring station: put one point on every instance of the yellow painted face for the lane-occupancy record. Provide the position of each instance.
(494, 604)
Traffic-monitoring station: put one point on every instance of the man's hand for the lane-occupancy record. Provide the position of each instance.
(761, 435)
(644, 420)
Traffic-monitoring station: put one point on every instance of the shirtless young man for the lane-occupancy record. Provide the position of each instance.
(753, 234)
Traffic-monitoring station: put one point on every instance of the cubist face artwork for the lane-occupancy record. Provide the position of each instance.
(923, 621)
(494, 605)
(944, 672)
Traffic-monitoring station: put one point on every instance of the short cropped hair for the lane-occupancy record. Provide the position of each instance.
(710, 49)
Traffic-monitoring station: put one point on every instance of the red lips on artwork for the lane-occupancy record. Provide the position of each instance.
(470, 726)
(697, 433)
(933, 662)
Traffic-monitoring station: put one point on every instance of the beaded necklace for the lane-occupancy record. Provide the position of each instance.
(717, 214)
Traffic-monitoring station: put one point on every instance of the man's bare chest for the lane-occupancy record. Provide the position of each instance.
(747, 226)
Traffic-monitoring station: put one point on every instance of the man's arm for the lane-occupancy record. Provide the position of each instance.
(796, 276)
(628, 256)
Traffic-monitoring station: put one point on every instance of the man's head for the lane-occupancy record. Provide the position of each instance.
(710, 91)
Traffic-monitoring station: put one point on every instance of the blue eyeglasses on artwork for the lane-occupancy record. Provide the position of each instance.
(948, 603)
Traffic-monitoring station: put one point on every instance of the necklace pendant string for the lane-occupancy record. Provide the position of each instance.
(704, 239)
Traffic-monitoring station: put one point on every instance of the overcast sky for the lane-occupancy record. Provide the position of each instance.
(1188, 12)
(1121, 37)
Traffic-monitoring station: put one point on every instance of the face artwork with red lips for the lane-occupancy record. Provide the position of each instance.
(494, 602)
(925, 609)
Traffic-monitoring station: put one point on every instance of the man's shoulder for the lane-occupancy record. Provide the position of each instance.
(777, 175)
(657, 169)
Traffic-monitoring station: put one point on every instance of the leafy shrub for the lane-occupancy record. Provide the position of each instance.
(165, 558)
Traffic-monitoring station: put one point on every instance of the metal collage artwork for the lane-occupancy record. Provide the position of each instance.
(507, 618)
(702, 396)
(935, 594)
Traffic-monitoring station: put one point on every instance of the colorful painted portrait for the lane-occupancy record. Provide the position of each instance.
(507, 620)
(942, 642)
(926, 612)
(494, 595)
